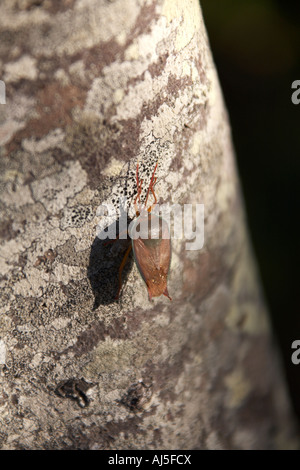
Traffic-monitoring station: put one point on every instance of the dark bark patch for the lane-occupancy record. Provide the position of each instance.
(177, 84)
(165, 374)
(143, 22)
(6, 230)
(156, 68)
(52, 6)
(56, 6)
(96, 332)
(94, 142)
(100, 55)
(93, 436)
(55, 104)
(201, 69)
(119, 329)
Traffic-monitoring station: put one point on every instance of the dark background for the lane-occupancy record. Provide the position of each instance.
(256, 48)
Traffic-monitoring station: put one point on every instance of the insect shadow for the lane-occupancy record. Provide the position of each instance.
(107, 255)
(104, 264)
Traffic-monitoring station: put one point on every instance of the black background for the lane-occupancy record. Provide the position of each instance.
(256, 48)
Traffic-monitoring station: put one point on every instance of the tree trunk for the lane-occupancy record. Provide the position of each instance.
(92, 88)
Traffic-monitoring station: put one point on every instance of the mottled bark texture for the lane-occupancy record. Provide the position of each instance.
(93, 86)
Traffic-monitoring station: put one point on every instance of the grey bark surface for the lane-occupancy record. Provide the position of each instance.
(92, 88)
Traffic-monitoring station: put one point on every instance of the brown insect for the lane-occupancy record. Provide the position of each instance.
(152, 246)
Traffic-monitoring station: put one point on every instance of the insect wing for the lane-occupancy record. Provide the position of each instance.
(153, 258)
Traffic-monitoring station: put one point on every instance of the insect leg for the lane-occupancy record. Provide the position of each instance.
(139, 190)
(151, 185)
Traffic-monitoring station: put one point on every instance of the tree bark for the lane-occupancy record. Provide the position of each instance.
(92, 88)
